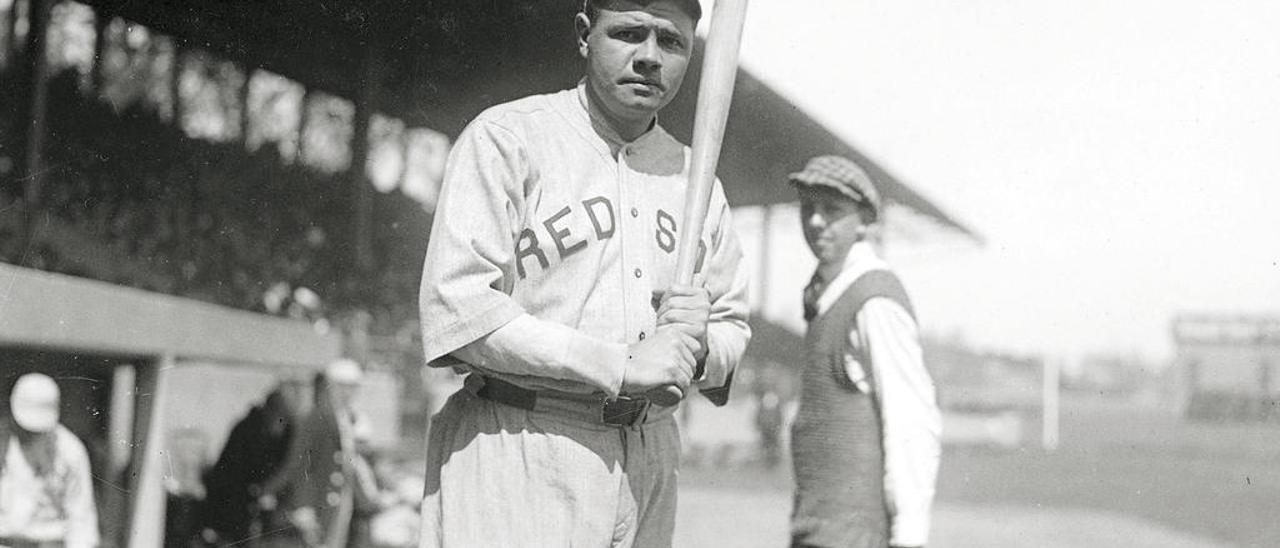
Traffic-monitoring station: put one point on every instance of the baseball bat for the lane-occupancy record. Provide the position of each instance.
(715, 92)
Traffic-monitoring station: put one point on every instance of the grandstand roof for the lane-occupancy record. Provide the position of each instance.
(437, 63)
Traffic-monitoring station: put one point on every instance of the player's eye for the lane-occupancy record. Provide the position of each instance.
(630, 35)
(671, 41)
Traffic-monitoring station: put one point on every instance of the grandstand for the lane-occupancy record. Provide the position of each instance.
(230, 194)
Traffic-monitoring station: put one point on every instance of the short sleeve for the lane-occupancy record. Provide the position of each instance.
(466, 278)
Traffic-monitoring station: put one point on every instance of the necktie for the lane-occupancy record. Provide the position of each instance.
(811, 294)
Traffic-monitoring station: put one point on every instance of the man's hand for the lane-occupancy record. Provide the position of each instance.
(304, 518)
(688, 308)
(665, 359)
(267, 502)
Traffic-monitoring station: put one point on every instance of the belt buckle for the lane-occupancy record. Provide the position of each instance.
(624, 410)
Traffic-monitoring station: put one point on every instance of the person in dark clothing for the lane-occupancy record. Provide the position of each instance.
(769, 425)
(254, 451)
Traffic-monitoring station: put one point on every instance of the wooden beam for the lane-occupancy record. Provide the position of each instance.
(54, 311)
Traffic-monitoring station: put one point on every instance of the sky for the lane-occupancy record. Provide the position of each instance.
(1120, 159)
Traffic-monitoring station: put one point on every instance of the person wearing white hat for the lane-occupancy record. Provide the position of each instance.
(865, 441)
(46, 487)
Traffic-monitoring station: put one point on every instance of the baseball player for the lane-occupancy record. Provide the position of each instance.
(549, 282)
(865, 440)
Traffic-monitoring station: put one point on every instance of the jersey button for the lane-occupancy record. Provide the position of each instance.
(638, 273)
(642, 335)
(635, 212)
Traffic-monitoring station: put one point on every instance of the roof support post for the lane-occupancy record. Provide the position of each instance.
(34, 111)
(146, 468)
(766, 257)
(175, 81)
(11, 44)
(6, 50)
(243, 99)
(357, 174)
(98, 72)
(304, 120)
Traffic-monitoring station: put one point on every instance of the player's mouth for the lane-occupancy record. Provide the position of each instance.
(643, 83)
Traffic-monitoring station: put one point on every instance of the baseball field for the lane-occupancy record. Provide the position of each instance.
(1125, 474)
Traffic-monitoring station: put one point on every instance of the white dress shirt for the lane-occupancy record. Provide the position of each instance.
(912, 424)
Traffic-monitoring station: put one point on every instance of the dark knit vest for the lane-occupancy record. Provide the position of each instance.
(837, 448)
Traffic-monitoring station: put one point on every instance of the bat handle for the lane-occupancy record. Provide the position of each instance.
(667, 396)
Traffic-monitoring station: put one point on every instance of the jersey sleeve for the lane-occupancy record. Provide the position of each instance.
(727, 280)
(470, 258)
(909, 411)
(467, 312)
(527, 346)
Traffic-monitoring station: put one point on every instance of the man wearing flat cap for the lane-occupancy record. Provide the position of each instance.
(865, 441)
(46, 487)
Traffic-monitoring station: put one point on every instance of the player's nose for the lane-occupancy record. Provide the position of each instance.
(648, 56)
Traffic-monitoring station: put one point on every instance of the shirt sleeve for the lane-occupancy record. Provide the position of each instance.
(532, 347)
(912, 423)
(727, 280)
(82, 513)
(466, 308)
(466, 277)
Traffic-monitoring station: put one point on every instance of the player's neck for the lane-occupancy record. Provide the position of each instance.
(614, 129)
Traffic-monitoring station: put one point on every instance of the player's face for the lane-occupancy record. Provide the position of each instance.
(832, 223)
(636, 55)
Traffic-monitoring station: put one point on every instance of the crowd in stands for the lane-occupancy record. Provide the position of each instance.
(129, 198)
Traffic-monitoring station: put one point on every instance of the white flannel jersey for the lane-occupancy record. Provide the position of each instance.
(549, 240)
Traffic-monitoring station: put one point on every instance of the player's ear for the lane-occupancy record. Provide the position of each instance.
(582, 26)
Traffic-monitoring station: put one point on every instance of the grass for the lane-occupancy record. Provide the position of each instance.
(1217, 481)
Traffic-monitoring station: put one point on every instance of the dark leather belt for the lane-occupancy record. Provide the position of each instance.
(625, 410)
(10, 542)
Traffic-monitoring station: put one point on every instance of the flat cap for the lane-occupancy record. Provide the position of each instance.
(841, 174)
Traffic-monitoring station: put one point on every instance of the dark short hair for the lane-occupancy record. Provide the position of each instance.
(592, 8)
